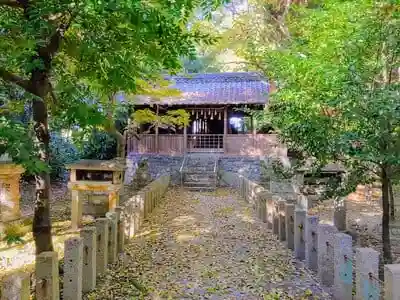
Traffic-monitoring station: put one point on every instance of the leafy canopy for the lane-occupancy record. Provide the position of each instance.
(83, 52)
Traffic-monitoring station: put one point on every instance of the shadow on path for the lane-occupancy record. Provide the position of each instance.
(207, 246)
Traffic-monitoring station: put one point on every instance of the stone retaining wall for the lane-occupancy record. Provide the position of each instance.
(89, 254)
(158, 165)
(249, 167)
(321, 247)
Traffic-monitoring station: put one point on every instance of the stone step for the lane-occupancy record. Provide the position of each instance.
(199, 183)
(200, 188)
(198, 171)
(202, 166)
(199, 177)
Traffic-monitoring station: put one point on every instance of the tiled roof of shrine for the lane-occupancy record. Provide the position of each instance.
(214, 89)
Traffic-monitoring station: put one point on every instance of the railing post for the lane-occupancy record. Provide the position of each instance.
(311, 239)
(289, 224)
(367, 267)
(113, 237)
(16, 287)
(326, 234)
(299, 243)
(282, 224)
(72, 278)
(270, 211)
(120, 229)
(343, 266)
(275, 216)
(88, 235)
(46, 272)
(339, 213)
(102, 231)
(392, 279)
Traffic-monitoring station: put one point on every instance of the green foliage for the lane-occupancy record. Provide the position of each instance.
(85, 52)
(336, 65)
(14, 233)
(16, 140)
(337, 96)
(62, 152)
(99, 145)
(172, 119)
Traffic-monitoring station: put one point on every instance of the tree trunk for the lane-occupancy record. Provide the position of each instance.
(121, 143)
(41, 226)
(387, 253)
(391, 196)
(111, 128)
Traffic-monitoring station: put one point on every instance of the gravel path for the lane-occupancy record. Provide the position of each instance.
(207, 246)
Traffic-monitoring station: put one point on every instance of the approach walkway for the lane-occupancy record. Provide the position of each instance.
(207, 246)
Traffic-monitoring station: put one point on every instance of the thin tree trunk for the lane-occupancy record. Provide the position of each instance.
(121, 143)
(387, 253)
(391, 196)
(41, 226)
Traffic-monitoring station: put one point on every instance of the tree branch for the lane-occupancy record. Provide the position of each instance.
(12, 78)
(11, 3)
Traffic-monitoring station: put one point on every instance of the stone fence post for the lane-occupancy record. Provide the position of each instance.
(282, 223)
(120, 229)
(112, 237)
(326, 234)
(16, 287)
(72, 278)
(275, 216)
(343, 266)
(367, 268)
(270, 211)
(299, 237)
(132, 217)
(262, 206)
(311, 242)
(392, 279)
(102, 231)
(88, 235)
(289, 224)
(47, 281)
(339, 213)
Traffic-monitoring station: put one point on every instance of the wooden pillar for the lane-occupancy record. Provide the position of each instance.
(253, 125)
(253, 130)
(184, 140)
(156, 133)
(225, 126)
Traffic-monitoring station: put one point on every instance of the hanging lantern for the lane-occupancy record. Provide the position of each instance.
(202, 112)
(197, 115)
(219, 116)
(212, 117)
(192, 111)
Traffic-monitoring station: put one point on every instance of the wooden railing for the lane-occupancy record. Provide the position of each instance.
(230, 144)
(171, 144)
(205, 143)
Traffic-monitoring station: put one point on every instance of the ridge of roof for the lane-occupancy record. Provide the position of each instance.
(218, 76)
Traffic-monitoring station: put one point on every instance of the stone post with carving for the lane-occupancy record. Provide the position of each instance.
(10, 175)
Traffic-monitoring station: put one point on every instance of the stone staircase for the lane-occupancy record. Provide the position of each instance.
(199, 171)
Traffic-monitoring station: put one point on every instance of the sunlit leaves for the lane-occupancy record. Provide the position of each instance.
(173, 119)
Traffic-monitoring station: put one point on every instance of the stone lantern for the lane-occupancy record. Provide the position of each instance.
(10, 175)
(95, 186)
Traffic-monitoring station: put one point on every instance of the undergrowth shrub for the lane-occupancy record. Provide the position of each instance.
(99, 145)
(14, 232)
(62, 152)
